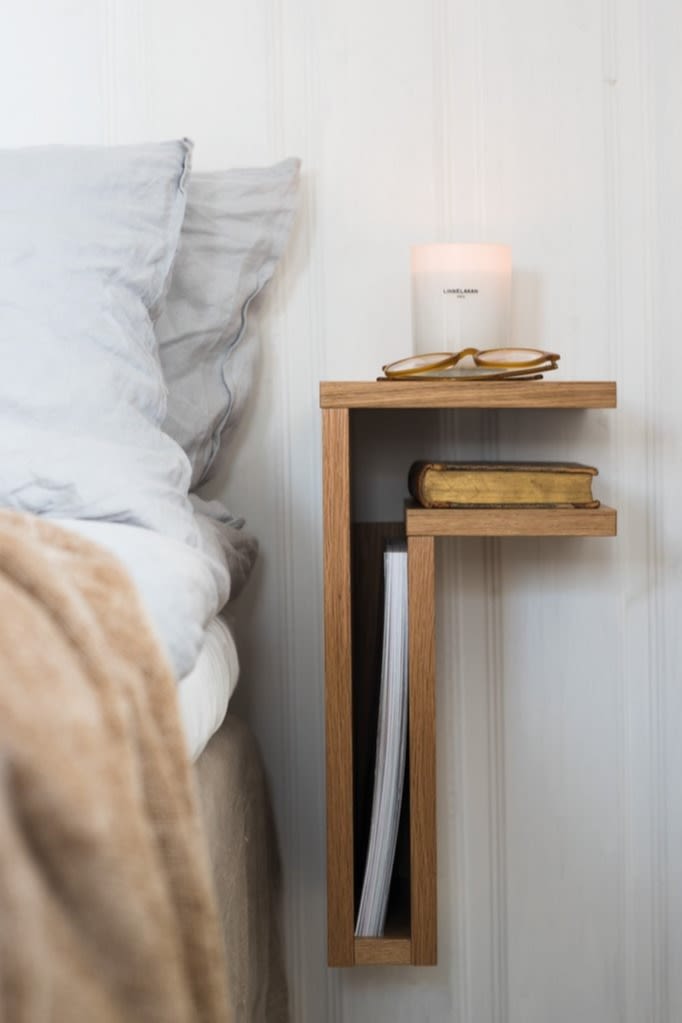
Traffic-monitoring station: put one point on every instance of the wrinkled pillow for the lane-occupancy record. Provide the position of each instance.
(87, 242)
(236, 227)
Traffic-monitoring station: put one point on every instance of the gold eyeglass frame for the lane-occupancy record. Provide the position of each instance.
(523, 361)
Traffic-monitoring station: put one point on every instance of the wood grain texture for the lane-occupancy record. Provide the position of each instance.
(383, 952)
(422, 747)
(461, 394)
(338, 686)
(511, 521)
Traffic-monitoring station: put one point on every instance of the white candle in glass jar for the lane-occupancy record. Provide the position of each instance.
(461, 297)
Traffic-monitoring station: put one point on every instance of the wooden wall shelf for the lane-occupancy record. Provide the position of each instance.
(510, 521)
(525, 394)
(352, 594)
(382, 952)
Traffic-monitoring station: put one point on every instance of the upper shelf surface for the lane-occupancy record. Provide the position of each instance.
(468, 394)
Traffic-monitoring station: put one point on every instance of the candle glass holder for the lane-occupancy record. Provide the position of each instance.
(461, 296)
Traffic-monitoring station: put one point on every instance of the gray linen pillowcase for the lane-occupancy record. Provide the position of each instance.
(237, 223)
(88, 237)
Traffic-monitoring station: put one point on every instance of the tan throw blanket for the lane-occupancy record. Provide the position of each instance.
(106, 907)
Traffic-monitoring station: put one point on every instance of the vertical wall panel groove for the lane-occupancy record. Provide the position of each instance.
(452, 789)
(288, 721)
(657, 824)
(442, 119)
(108, 82)
(492, 574)
(299, 361)
(479, 110)
(143, 98)
(627, 966)
(463, 907)
(494, 661)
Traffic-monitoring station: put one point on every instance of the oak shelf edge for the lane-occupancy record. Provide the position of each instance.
(383, 951)
(519, 394)
(501, 522)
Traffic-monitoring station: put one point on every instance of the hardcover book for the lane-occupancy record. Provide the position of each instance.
(502, 484)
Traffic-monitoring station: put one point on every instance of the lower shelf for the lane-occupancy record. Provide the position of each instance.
(510, 521)
(398, 946)
(352, 695)
(382, 951)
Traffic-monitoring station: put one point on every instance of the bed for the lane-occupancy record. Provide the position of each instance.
(126, 282)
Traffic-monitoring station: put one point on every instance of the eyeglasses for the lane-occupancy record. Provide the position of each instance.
(472, 364)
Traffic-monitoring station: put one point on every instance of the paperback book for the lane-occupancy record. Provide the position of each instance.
(389, 771)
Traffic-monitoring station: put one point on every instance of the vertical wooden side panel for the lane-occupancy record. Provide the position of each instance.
(422, 738)
(338, 685)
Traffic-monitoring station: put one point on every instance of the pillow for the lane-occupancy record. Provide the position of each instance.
(236, 227)
(88, 239)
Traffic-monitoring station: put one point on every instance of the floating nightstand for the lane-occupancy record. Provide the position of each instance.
(352, 586)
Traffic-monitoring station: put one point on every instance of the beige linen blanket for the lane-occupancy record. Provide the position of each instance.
(106, 907)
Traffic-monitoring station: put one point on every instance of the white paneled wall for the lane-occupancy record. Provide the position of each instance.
(553, 126)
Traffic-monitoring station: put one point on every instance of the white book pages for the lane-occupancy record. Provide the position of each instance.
(391, 747)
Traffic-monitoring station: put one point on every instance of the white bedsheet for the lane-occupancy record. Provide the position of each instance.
(183, 588)
(205, 693)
